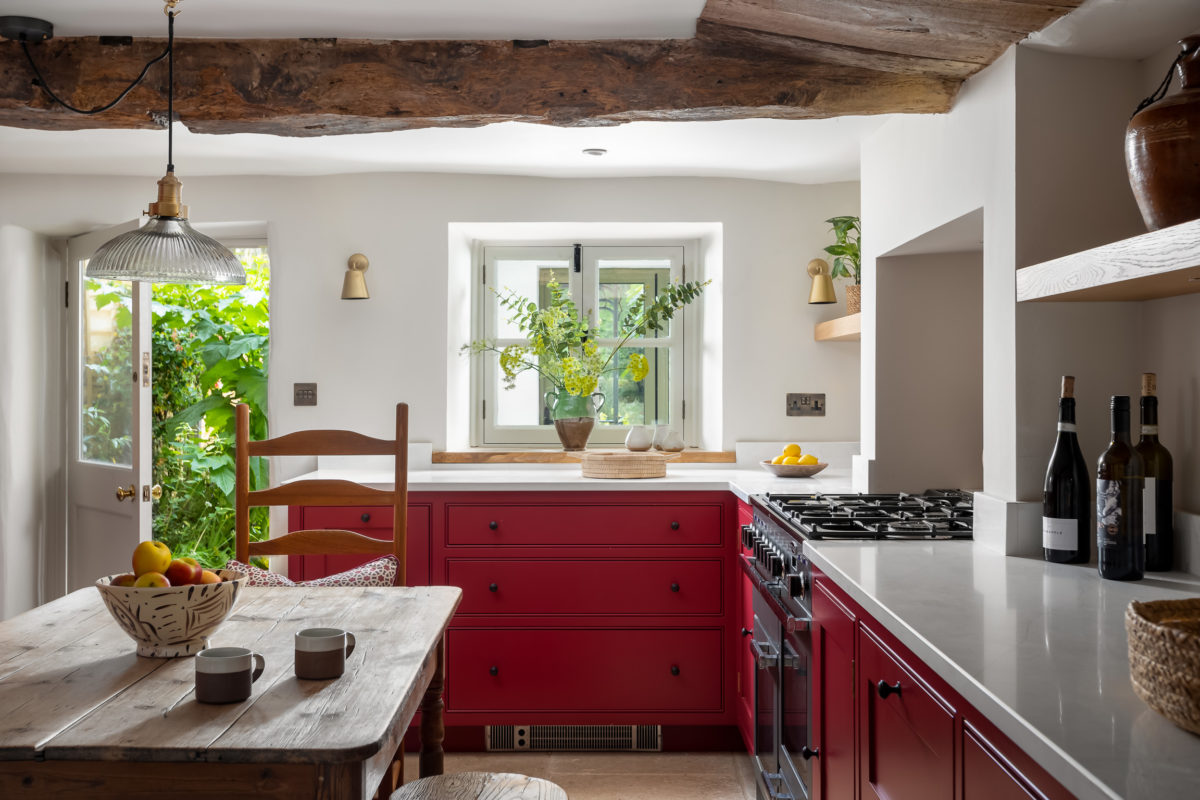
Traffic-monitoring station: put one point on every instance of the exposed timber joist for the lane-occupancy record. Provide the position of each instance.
(318, 87)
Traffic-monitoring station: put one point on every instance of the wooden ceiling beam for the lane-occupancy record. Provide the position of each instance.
(971, 31)
(318, 87)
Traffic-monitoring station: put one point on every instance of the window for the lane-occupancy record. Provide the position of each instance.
(604, 281)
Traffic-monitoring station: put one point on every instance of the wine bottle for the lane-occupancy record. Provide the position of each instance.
(1066, 493)
(1119, 485)
(1157, 523)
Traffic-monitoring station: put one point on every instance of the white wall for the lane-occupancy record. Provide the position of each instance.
(30, 443)
(367, 355)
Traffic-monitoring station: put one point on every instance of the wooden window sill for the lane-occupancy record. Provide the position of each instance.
(481, 456)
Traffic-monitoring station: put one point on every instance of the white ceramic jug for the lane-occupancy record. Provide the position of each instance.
(660, 435)
(640, 438)
(673, 442)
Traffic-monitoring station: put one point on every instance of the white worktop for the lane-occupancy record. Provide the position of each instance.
(1037, 648)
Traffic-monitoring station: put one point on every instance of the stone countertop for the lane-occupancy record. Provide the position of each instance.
(1037, 648)
(567, 478)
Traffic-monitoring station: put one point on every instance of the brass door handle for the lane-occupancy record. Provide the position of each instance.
(151, 492)
(126, 494)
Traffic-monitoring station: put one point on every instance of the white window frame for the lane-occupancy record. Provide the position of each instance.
(584, 288)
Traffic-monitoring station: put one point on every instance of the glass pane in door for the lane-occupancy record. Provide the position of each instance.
(106, 372)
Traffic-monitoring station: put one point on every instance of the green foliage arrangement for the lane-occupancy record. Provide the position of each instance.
(562, 348)
(846, 251)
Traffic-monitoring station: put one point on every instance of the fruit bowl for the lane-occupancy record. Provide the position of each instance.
(792, 470)
(172, 621)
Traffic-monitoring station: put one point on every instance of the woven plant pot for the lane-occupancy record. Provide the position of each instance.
(1164, 657)
(853, 298)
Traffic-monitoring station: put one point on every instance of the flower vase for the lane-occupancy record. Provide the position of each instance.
(574, 416)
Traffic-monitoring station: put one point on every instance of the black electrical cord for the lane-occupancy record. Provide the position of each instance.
(170, 91)
(41, 81)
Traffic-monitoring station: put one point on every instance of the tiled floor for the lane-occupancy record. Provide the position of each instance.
(619, 776)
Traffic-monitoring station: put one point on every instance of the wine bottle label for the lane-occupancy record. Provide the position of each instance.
(1108, 512)
(1069, 427)
(1149, 430)
(1149, 505)
(1060, 534)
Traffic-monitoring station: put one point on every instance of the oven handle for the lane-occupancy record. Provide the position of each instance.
(764, 657)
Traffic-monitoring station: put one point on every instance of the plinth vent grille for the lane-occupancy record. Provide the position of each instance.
(594, 738)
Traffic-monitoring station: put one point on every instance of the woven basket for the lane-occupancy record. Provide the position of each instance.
(1164, 657)
(853, 298)
(622, 464)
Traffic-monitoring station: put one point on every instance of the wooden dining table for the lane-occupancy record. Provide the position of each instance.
(83, 716)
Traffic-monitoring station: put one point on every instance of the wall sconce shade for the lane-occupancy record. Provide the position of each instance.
(822, 284)
(354, 286)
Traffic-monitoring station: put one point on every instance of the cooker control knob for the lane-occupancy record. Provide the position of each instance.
(776, 565)
(797, 584)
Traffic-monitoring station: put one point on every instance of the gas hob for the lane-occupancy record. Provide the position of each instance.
(936, 514)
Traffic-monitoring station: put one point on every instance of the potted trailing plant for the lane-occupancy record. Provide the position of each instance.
(562, 351)
(846, 258)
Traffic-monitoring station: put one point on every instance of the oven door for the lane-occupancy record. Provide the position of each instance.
(766, 642)
(797, 757)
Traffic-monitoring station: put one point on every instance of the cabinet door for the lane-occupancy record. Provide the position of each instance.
(834, 688)
(906, 732)
(375, 522)
(745, 664)
(985, 774)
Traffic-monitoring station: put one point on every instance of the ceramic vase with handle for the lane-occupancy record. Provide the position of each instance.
(574, 416)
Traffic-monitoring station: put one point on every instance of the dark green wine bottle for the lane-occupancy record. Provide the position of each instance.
(1157, 522)
(1067, 492)
(1119, 486)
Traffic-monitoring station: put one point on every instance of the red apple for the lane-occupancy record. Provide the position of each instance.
(154, 580)
(208, 576)
(151, 557)
(180, 572)
(123, 580)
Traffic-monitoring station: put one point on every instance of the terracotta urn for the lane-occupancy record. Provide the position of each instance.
(1162, 149)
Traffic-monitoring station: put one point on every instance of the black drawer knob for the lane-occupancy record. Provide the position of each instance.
(494, 670)
(747, 632)
(674, 669)
(810, 752)
(493, 587)
(674, 525)
(365, 517)
(885, 689)
(493, 524)
(674, 587)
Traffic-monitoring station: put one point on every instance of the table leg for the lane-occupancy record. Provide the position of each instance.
(433, 728)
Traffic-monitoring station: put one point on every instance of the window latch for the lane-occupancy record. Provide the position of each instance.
(578, 267)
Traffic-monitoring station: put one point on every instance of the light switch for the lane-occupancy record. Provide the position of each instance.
(304, 394)
(805, 405)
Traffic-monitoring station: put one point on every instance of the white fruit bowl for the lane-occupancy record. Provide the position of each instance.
(175, 620)
(792, 470)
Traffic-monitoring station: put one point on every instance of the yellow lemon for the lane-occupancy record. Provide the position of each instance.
(806, 459)
(789, 460)
(792, 450)
(777, 460)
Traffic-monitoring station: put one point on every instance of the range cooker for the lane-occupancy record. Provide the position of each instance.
(781, 639)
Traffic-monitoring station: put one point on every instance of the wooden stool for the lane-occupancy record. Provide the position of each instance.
(480, 786)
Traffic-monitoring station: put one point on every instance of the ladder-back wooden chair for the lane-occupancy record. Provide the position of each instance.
(322, 492)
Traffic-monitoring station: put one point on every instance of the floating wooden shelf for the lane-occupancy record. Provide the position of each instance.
(842, 329)
(483, 456)
(1162, 263)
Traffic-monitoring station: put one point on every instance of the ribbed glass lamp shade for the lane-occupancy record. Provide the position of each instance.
(166, 250)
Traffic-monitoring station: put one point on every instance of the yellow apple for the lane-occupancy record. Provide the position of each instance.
(151, 557)
(208, 576)
(152, 579)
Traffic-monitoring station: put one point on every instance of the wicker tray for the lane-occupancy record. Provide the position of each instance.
(624, 464)
(1164, 657)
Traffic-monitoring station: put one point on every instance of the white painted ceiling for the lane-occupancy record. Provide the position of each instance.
(798, 151)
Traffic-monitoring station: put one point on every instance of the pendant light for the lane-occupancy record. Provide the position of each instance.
(167, 249)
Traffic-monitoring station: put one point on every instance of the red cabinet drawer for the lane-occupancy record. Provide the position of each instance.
(584, 670)
(835, 619)
(566, 525)
(373, 521)
(593, 586)
(986, 775)
(907, 738)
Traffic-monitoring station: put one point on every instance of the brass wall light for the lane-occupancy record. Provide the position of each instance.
(354, 285)
(822, 283)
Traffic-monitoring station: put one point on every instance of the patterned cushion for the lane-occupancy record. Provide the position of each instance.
(380, 572)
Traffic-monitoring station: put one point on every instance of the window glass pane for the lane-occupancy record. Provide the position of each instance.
(522, 404)
(527, 278)
(623, 285)
(630, 402)
(106, 416)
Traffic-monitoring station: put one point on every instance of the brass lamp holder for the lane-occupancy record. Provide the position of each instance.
(169, 197)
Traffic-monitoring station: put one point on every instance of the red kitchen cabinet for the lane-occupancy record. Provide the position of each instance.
(372, 521)
(834, 713)
(996, 769)
(906, 731)
(745, 641)
(559, 523)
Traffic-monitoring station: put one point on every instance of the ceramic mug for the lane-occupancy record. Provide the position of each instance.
(321, 653)
(225, 674)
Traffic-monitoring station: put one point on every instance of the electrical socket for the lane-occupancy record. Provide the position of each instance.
(304, 394)
(805, 405)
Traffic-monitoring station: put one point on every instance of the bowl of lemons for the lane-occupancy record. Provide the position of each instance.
(793, 463)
